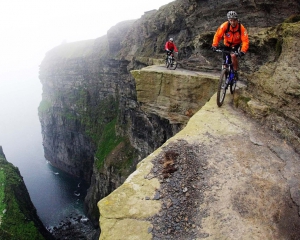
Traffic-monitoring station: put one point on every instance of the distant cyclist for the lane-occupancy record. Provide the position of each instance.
(170, 47)
(235, 38)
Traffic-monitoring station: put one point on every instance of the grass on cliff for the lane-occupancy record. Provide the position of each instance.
(14, 225)
(2, 204)
(44, 106)
(107, 143)
(97, 120)
(115, 151)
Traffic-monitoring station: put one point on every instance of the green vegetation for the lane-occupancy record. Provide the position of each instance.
(15, 218)
(244, 99)
(127, 160)
(2, 195)
(115, 151)
(98, 121)
(108, 142)
(44, 106)
(94, 118)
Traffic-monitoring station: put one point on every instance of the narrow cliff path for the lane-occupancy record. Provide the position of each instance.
(224, 176)
(178, 70)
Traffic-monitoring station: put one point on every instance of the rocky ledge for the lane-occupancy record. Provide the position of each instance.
(173, 95)
(75, 227)
(223, 176)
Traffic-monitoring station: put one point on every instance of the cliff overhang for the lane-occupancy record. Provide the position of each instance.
(173, 95)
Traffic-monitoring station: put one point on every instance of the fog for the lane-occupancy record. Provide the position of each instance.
(20, 134)
(28, 30)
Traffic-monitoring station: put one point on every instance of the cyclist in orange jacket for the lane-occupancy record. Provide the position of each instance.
(235, 38)
(170, 47)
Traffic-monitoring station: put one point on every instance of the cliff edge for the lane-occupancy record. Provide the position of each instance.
(98, 121)
(224, 176)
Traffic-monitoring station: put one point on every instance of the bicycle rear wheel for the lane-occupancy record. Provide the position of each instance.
(222, 88)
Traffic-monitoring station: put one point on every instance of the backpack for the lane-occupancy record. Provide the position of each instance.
(228, 28)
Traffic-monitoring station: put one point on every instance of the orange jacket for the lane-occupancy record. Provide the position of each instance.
(232, 37)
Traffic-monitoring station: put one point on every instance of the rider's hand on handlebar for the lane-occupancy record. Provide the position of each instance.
(213, 48)
(241, 54)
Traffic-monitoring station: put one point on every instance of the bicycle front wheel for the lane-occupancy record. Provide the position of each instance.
(173, 65)
(222, 88)
(167, 63)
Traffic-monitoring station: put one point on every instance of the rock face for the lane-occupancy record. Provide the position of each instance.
(91, 120)
(173, 95)
(224, 176)
(273, 95)
(101, 114)
(18, 216)
(72, 104)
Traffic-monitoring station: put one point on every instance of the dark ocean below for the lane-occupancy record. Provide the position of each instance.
(55, 194)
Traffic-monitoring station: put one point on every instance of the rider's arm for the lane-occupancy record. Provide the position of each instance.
(245, 39)
(175, 48)
(167, 46)
(219, 34)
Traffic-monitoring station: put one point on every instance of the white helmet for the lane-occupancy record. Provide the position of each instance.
(232, 15)
(171, 39)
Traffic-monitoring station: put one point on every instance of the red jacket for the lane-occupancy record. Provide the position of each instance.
(232, 37)
(170, 46)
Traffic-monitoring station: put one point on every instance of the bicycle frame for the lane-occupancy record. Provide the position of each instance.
(228, 66)
(227, 77)
(171, 63)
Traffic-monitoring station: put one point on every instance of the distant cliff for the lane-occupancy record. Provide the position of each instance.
(18, 217)
(98, 120)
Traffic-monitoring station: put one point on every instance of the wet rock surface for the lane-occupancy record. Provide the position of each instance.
(75, 227)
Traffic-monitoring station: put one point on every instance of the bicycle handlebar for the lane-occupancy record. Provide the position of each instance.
(225, 51)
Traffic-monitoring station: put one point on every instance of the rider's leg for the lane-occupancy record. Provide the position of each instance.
(234, 62)
(235, 65)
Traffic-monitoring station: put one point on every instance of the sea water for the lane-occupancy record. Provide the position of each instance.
(54, 193)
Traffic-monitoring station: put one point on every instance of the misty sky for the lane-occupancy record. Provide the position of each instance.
(30, 28)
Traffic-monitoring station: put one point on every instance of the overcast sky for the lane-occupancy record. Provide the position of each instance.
(29, 28)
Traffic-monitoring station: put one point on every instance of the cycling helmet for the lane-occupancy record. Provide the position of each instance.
(171, 39)
(232, 15)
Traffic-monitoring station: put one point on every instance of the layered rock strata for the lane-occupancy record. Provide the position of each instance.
(173, 95)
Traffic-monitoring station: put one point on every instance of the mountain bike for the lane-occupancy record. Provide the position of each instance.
(227, 77)
(171, 63)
